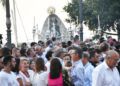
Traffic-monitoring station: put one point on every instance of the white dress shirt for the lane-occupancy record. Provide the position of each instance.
(104, 76)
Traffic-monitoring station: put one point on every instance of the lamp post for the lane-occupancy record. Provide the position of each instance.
(8, 24)
(81, 19)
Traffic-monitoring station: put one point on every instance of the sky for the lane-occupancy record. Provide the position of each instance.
(36, 8)
(28, 11)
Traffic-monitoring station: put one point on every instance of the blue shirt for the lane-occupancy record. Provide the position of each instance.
(88, 74)
(77, 73)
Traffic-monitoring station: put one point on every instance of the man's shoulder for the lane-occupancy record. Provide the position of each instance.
(3, 74)
(31, 72)
(80, 66)
(44, 73)
(90, 66)
(80, 62)
(100, 68)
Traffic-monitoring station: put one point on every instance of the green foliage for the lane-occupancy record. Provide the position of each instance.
(96, 37)
(72, 9)
(108, 10)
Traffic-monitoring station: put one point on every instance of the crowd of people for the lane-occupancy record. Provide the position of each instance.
(55, 63)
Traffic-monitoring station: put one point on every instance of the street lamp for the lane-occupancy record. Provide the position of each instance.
(81, 19)
(8, 24)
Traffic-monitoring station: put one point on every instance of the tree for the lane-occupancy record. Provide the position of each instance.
(108, 10)
(72, 9)
(89, 14)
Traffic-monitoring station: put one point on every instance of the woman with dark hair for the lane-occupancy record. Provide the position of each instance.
(55, 74)
(40, 76)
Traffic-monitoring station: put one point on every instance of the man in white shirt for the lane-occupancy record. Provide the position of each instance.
(106, 74)
(7, 77)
